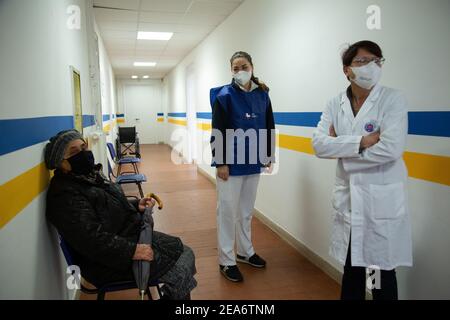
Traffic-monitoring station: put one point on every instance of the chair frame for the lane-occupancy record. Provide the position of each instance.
(109, 287)
(123, 177)
(122, 161)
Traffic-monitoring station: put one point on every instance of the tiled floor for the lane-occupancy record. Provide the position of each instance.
(190, 213)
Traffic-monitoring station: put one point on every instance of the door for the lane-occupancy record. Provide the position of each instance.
(142, 104)
(191, 115)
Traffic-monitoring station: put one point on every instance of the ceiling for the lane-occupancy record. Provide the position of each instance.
(190, 21)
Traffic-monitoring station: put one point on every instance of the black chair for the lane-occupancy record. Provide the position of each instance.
(119, 178)
(127, 138)
(107, 288)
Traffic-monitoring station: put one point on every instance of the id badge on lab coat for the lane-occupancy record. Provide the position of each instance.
(371, 126)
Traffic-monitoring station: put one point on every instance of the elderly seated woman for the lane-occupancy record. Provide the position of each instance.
(102, 226)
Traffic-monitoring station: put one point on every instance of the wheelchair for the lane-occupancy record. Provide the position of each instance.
(127, 143)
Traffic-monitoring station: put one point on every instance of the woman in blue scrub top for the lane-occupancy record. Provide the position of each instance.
(242, 116)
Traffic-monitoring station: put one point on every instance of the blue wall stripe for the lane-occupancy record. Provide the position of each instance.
(204, 115)
(121, 115)
(22, 133)
(177, 115)
(430, 123)
(302, 119)
(160, 114)
(88, 120)
(106, 117)
(433, 123)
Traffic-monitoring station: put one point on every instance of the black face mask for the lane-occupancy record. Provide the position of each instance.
(83, 162)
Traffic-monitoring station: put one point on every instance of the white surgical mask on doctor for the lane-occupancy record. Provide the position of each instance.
(367, 76)
(242, 77)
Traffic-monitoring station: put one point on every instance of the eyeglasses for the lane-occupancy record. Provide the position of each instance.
(364, 61)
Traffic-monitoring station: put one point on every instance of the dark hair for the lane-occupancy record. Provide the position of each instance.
(245, 55)
(350, 53)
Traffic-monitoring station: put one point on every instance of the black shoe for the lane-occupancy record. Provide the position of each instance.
(232, 273)
(255, 261)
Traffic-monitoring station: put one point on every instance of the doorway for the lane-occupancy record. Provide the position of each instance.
(142, 103)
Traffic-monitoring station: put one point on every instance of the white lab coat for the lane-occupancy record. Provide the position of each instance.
(369, 197)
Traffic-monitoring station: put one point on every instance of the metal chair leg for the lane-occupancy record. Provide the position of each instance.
(159, 291)
(101, 296)
(149, 294)
(141, 192)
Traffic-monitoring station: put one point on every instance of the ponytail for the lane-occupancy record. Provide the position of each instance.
(260, 84)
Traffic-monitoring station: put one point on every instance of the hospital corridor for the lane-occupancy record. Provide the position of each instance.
(190, 214)
(256, 152)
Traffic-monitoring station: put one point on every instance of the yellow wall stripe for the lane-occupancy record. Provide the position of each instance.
(17, 193)
(296, 143)
(178, 122)
(160, 119)
(422, 166)
(120, 120)
(204, 126)
(201, 126)
(107, 128)
(428, 167)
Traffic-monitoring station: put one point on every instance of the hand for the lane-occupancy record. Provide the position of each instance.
(146, 203)
(223, 172)
(143, 252)
(333, 132)
(370, 140)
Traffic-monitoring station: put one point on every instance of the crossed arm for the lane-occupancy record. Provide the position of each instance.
(364, 152)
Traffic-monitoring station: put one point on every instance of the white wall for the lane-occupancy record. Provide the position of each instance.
(36, 52)
(105, 91)
(296, 47)
(108, 91)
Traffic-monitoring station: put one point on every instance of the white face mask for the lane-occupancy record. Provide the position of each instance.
(242, 77)
(367, 76)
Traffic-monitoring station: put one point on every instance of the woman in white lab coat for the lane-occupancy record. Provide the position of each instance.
(365, 128)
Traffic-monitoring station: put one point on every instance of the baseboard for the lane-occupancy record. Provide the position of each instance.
(315, 259)
(180, 154)
(331, 271)
(206, 175)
